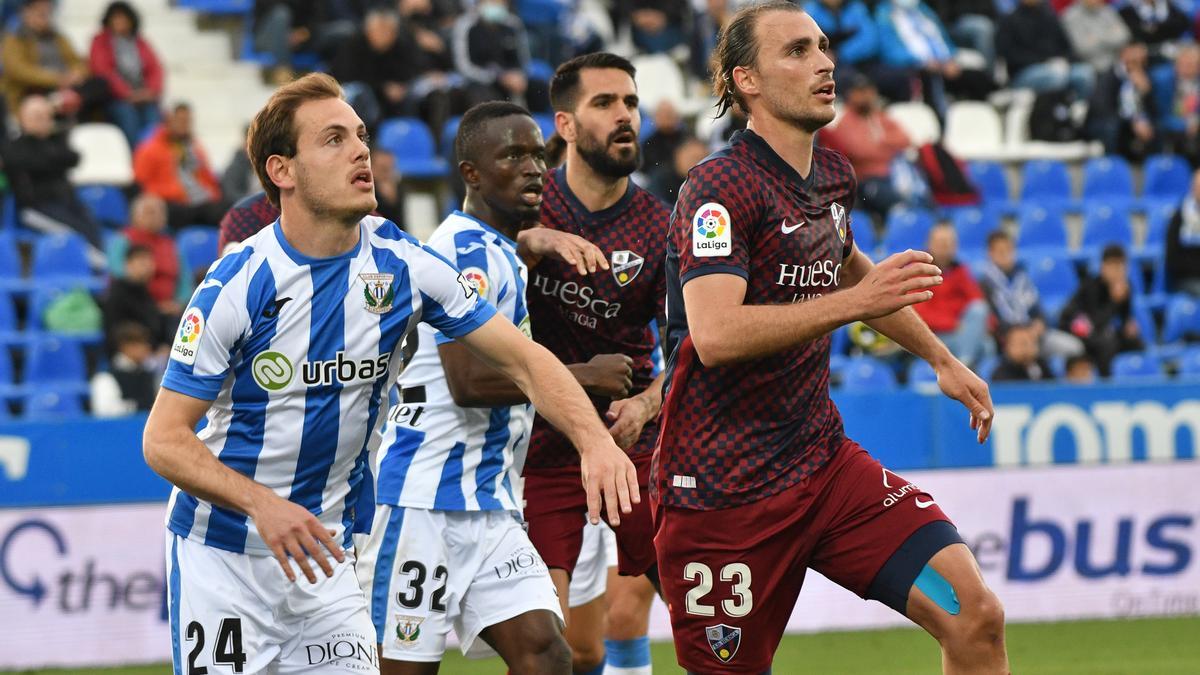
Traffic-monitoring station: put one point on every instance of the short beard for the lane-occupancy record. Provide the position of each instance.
(596, 156)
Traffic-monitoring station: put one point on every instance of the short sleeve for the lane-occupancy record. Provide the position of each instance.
(470, 253)
(714, 219)
(212, 325)
(451, 304)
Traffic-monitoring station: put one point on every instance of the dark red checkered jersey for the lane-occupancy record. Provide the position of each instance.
(245, 218)
(606, 312)
(739, 433)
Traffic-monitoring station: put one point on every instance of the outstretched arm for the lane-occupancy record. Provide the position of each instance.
(607, 471)
(726, 331)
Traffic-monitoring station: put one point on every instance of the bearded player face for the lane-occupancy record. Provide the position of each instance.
(606, 122)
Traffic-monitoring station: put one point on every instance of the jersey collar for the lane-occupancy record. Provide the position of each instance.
(591, 218)
(759, 147)
(487, 228)
(301, 259)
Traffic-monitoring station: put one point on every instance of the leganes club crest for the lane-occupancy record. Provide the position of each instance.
(724, 641)
(378, 292)
(626, 265)
(408, 630)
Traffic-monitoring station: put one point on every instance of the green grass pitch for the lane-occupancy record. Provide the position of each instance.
(1123, 647)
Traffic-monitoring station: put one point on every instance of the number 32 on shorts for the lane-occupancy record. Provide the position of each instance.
(739, 605)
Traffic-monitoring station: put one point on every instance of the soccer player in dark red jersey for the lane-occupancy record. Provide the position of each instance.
(578, 316)
(754, 479)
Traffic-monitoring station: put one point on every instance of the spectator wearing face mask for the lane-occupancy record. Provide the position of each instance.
(491, 50)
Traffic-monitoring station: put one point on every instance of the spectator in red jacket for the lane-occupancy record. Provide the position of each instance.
(131, 68)
(147, 227)
(958, 312)
(871, 140)
(172, 165)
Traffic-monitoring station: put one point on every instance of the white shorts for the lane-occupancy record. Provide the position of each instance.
(238, 613)
(596, 555)
(426, 571)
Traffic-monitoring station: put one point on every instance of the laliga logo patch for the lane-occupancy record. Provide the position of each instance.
(626, 265)
(378, 292)
(712, 234)
(839, 220)
(478, 279)
(408, 630)
(724, 641)
(187, 340)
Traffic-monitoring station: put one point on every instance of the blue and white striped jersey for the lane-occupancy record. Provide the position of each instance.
(295, 354)
(434, 454)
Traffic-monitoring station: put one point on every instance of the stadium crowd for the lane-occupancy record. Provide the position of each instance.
(1044, 281)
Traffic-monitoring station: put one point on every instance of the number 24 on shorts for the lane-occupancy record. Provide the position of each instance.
(738, 573)
(227, 649)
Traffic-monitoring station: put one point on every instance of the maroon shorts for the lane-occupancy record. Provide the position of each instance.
(556, 510)
(731, 576)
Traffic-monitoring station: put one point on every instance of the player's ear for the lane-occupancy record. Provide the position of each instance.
(564, 124)
(744, 80)
(281, 172)
(470, 175)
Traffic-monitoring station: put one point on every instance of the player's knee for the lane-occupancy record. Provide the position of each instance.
(981, 623)
(545, 653)
(587, 657)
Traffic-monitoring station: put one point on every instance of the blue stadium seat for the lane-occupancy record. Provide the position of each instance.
(1136, 365)
(1108, 179)
(55, 363)
(198, 246)
(1166, 178)
(986, 367)
(921, 375)
(416, 152)
(11, 279)
(539, 70)
(864, 236)
(1182, 319)
(107, 204)
(989, 177)
(449, 131)
(648, 128)
(1056, 280)
(907, 228)
(219, 6)
(1189, 362)
(10, 332)
(52, 404)
(973, 226)
(1158, 219)
(545, 122)
(9, 389)
(862, 373)
(61, 259)
(1046, 181)
(301, 60)
(1042, 231)
(1105, 224)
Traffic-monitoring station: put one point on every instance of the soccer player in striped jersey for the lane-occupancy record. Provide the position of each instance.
(281, 360)
(447, 547)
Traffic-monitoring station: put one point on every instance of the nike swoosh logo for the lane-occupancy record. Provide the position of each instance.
(788, 230)
(273, 311)
(923, 505)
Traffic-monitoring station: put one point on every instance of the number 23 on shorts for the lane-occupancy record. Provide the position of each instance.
(739, 604)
